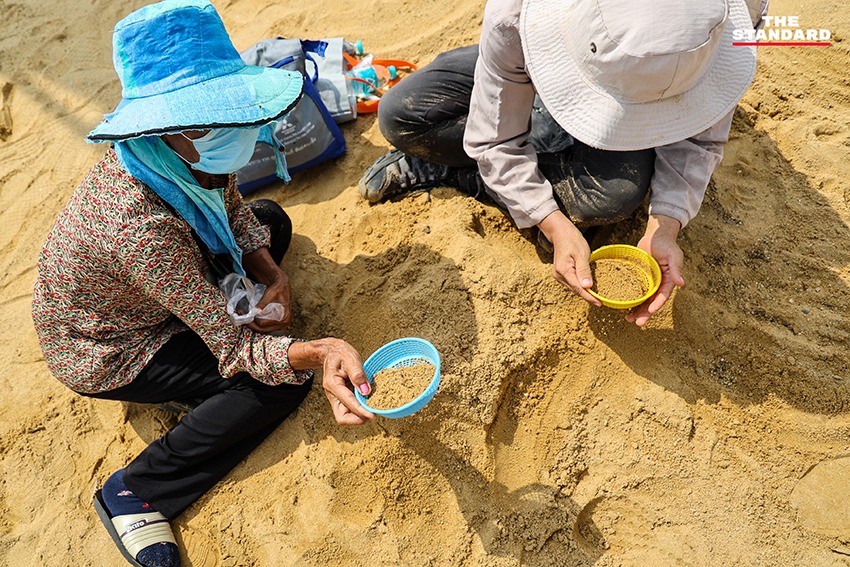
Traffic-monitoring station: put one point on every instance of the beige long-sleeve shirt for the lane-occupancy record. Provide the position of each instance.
(499, 123)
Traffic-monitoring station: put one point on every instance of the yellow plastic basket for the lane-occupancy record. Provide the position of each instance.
(648, 267)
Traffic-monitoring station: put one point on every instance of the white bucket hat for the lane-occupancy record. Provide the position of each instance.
(630, 75)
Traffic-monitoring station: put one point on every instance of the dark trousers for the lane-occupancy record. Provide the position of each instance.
(273, 216)
(235, 415)
(425, 115)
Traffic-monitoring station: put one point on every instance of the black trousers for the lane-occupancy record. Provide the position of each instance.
(425, 115)
(235, 416)
(273, 216)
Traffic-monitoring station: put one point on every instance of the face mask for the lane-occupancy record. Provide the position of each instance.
(224, 150)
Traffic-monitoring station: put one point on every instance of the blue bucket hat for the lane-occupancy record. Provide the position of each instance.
(180, 71)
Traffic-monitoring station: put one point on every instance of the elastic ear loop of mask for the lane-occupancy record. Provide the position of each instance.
(280, 157)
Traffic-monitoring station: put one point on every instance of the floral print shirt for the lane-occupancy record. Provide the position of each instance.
(121, 273)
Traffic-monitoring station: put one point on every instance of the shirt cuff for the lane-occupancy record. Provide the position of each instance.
(670, 210)
(534, 217)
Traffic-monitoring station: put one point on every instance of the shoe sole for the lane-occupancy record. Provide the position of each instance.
(106, 520)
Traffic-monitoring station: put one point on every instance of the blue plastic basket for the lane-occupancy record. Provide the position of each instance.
(396, 354)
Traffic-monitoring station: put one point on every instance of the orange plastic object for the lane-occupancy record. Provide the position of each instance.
(367, 106)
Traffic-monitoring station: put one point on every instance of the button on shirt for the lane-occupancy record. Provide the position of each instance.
(497, 131)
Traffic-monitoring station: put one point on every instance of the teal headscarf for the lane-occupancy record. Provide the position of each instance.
(150, 160)
(154, 163)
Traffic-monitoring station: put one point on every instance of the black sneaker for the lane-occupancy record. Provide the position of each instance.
(544, 242)
(469, 182)
(395, 173)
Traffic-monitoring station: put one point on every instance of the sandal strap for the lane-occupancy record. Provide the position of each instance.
(138, 531)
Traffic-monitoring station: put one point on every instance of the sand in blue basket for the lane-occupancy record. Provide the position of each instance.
(617, 280)
(394, 387)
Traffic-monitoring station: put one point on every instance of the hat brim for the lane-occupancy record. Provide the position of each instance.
(251, 96)
(597, 118)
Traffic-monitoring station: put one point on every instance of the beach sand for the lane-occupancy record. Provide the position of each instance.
(560, 435)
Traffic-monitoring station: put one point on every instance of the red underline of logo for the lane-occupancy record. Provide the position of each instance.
(768, 44)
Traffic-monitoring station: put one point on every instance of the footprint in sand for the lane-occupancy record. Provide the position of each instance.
(820, 497)
(197, 549)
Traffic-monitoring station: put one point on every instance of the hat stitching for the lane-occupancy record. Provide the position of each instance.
(166, 130)
(711, 31)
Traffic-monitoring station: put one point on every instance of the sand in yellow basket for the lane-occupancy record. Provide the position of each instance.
(637, 275)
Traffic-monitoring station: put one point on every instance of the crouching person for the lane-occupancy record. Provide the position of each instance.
(124, 305)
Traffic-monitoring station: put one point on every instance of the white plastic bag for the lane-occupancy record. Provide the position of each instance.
(242, 297)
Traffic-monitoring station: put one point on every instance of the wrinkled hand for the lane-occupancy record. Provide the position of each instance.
(343, 371)
(571, 266)
(261, 268)
(659, 241)
(278, 292)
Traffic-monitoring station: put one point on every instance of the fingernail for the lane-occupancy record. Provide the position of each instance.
(364, 389)
(586, 283)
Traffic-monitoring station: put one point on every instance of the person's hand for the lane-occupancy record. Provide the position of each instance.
(571, 266)
(261, 268)
(278, 292)
(659, 241)
(343, 371)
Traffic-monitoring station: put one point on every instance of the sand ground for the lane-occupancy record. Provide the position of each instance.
(561, 435)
